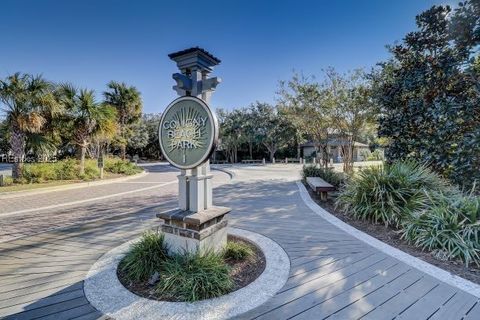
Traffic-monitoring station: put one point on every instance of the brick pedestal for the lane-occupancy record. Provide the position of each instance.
(188, 231)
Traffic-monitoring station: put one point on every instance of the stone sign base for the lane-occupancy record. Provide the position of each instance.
(188, 231)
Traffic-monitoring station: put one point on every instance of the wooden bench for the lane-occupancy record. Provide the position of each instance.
(320, 186)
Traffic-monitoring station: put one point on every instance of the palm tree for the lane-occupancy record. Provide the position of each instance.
(28, 102)
(89, 118)
(128, 102)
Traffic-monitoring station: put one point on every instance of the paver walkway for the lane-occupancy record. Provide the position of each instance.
(333, 275)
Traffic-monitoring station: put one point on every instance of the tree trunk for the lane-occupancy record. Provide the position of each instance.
(347, 154)
(272, 150)
(123, 151)
(250, 149)
(325, 156)
(82, 158)
(17, 144)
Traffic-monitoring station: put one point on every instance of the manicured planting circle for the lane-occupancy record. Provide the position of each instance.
(190, 277)
(108, 295)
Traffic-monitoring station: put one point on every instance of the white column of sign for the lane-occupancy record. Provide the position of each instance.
(207, 185)
(183, 190)
(208, 200)
(197, 190)
(196, 180)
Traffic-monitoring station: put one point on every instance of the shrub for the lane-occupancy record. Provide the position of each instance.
(66, 169)
(92, 171)
(236, 250)
(146, 256)
(39, 172)
(7, 181)
(335, 178)
(387, 194)
(115, 165)
(194, 276)
(448, 224)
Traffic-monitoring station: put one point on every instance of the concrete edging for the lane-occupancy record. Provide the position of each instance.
(222, 169)
(431, 270)
(106, 293)
(78, 185)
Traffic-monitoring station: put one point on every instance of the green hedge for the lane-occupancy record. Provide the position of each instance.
(69, 169)
(119, 166)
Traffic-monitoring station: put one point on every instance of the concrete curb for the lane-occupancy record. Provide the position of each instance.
(436, 272)
(106, 293)
(13, 194)
(221, 169)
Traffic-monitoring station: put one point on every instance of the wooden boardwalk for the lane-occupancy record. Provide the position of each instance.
(333, 275)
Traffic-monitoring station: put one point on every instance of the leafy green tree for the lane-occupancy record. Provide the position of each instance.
(128, 102)
(353, 109)
(89, 118)
(27, 102)
(273, 130)
(4, 144)
(302, 101)
(152, 149)
(231, 132)
(139, 137)
(429, 95)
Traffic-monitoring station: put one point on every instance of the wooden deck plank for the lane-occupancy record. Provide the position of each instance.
(36, 296)
(362, 306)
(59, 283)
(73, 313)
(428, 304)
(312, 280)
(295, 301)
(400, 302)
(334, 303)
(474, 312)
(50, 300)
(456, 307)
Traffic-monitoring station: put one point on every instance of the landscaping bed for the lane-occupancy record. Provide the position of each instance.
(190, 277)
(392, 237)
(39, 175)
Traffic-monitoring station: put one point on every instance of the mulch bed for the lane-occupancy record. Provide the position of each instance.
(242, 273)
(245, 272)
(392, 237)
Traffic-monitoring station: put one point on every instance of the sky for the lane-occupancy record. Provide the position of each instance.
(89, 43)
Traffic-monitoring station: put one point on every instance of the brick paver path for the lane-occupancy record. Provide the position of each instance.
(333, 275)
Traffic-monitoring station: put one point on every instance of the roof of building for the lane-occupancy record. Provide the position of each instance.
(192, 50)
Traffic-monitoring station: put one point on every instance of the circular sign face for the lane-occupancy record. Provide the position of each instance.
(188, 132)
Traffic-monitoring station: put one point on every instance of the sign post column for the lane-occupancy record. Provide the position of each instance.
(188, 134)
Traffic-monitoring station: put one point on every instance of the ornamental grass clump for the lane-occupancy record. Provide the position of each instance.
(194, 276)
(236, 251)
(449, 226)
(146, 257)
(390, 193)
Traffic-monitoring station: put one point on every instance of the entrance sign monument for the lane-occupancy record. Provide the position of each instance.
(188, 133)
